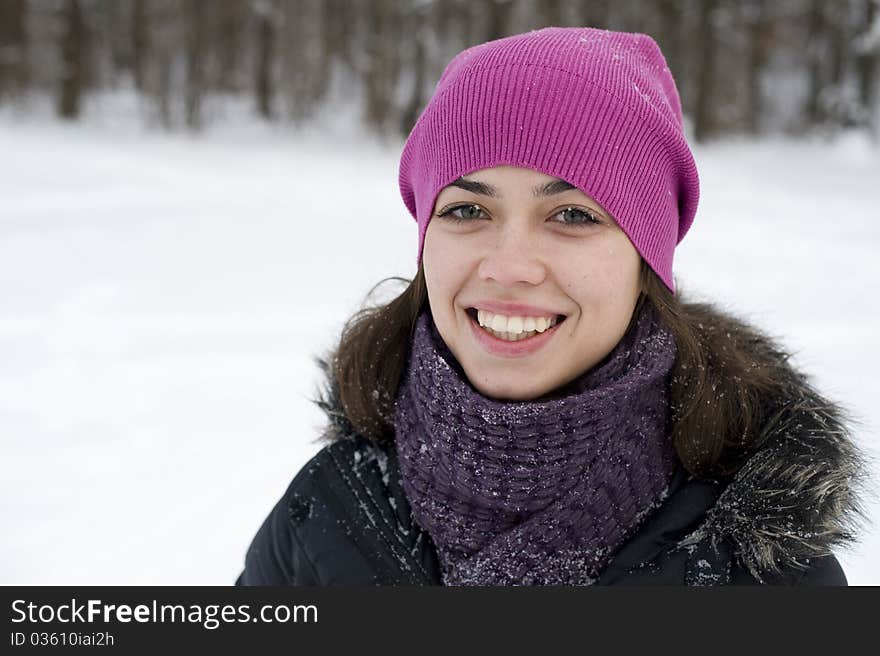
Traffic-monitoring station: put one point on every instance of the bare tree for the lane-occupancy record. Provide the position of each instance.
(705, 71)
(549, 13)
(230, 40)
(815, 31)
(194, 19)
(139, 43)
(265, 13)
(334, 40)
(115, 44)
(838, 32)
(13, 47)
(162, 39)
(868, 52)
(389, 52)
(292, 50)
(668, 32)
(419, 23)
(760, 38)
(498, 12)
(381, 70)
(72, 48)
(594, 13)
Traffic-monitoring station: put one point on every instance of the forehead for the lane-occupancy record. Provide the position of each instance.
(496, 180)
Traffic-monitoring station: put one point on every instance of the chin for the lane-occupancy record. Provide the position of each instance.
(502, 392)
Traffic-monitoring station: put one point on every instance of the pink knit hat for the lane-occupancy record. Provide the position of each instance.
(595, 108)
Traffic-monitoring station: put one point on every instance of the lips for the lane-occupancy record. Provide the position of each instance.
(472, 313)
(503, 348)
(514, 309)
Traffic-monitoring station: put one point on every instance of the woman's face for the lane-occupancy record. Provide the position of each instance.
(526, 247)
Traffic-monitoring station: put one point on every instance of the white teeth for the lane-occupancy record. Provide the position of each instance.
(499, 323)
(513, 328)
(511, 337)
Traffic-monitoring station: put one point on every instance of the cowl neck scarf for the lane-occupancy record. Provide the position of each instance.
(539, 492)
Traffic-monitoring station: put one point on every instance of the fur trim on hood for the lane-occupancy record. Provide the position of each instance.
(797, 496)
(800, 494)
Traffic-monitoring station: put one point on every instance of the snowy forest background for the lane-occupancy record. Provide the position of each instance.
(195, 195)
(742, 66)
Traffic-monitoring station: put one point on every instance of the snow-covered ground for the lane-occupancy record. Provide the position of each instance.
(162, 296)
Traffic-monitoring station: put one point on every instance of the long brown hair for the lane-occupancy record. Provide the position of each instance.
(719, 388)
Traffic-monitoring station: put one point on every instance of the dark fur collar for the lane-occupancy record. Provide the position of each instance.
(799, 495)
(796, 497)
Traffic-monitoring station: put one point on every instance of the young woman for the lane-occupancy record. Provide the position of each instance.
(538, 407)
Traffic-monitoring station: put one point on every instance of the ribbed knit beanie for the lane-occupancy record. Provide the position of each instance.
(598, 109)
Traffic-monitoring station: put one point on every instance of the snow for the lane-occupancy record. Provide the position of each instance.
(163, 296)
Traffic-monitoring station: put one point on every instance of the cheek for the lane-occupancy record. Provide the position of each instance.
(443, 270)
(601, 277)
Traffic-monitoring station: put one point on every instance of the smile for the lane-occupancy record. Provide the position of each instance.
(507, 336)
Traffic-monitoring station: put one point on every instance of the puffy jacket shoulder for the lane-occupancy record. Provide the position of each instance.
(664, 551)
(344, 520)
(276, 556)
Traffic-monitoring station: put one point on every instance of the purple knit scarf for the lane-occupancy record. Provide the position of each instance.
(536, 492)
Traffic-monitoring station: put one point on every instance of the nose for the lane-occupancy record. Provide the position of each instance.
(514, 258)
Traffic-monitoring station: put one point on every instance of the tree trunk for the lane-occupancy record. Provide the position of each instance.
(669, 33)
(139, 43)
(499, 19)
(293, 47)
(232, 18)
(163, 87)
(13, 47)
(815, 36)
(379, 80)
(549, 13)
(265, 56)
(833, 95)
(72, 60)
(760, 37)
(594, 13)
(115, 42)
(867, 66)
(703, 123)
(420, 24)
(336, 21)
(195, 61)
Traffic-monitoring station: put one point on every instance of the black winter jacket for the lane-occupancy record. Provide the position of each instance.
(345, 520)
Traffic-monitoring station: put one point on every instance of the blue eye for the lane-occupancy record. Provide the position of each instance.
(449, 213)
(472, 213)
(588, 217)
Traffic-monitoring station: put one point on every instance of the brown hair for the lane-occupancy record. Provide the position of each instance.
(718, 388)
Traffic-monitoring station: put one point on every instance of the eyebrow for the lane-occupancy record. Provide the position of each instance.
(552, 188)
